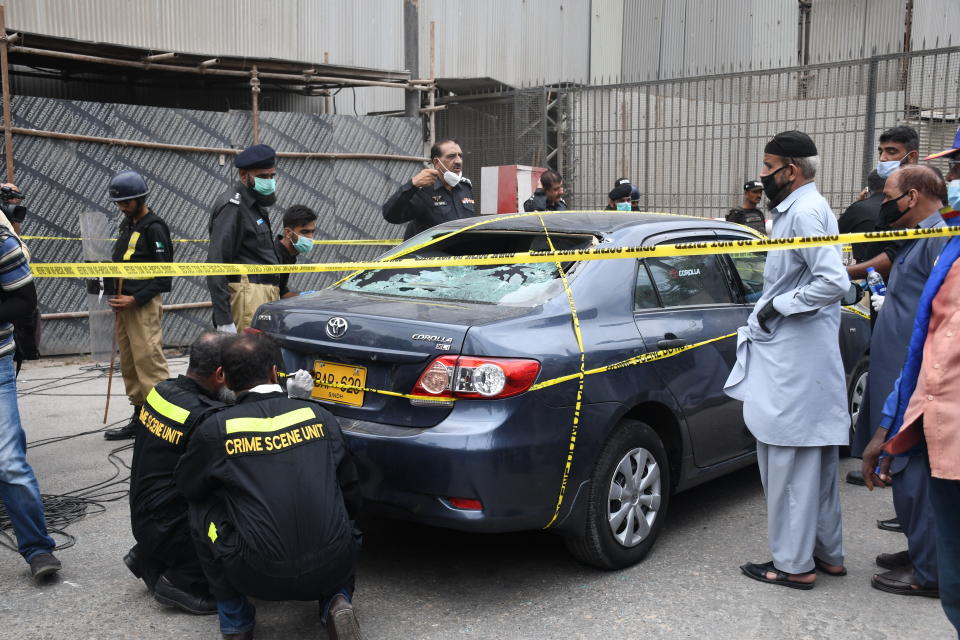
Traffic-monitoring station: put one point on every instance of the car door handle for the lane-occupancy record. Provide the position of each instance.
(673, 343)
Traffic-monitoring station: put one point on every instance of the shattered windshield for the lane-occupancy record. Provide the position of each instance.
(511, 284)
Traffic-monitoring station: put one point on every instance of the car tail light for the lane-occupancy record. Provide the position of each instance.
(475, 377)
(467, 504)
(251, 331)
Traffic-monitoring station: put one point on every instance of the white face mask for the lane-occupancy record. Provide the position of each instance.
(884, 169)
(451, 178)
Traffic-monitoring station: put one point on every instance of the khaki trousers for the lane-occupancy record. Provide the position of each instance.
(246, 296)
(141, 349)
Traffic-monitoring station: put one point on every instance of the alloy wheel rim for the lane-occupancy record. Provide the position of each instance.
(633, 500)
(856, 398)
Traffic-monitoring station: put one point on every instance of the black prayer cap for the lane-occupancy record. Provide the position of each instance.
(791, 144)
(259, 156)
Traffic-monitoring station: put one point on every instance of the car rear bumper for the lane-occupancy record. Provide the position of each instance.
(497, 455)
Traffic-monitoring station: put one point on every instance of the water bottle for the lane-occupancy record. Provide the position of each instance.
(875, 282)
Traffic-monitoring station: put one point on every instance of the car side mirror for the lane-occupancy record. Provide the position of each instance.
(853, 294)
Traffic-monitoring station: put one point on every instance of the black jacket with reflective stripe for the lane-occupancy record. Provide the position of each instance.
(171, 410)
(280, 469)
(152, 243)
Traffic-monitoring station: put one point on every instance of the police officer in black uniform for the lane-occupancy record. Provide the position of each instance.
(748, 214)
(273, 494)
(164, 556)
(549, 195)
(240, 233)
(143, 237)
(437, 194)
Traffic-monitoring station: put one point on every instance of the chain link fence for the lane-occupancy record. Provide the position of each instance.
(690, 144)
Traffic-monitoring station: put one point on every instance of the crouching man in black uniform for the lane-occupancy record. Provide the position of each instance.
(273, 494)
(164, 556)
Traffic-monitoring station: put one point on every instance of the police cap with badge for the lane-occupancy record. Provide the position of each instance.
(258, 156)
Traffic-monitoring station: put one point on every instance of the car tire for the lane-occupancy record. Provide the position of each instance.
(627, 499)
(855, 394)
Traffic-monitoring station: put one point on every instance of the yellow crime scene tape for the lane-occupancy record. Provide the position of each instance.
(167, 269)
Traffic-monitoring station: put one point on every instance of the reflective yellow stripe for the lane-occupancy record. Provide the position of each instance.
(264, 425)
(212, 532)
(166, 408)
(132, 245)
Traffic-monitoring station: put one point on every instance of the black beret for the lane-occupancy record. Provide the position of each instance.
(791, 144)
(753, 185)
(620, 191)
(259, 156)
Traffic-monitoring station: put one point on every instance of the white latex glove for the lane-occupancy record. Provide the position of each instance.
(876, 302)
(300, 385)
(227, 328)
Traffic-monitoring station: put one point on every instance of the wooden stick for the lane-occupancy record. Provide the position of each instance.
(113, 353)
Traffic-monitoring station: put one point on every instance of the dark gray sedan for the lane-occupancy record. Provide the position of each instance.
(481, 446)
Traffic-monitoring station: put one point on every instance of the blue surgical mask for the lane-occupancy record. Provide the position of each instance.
(884, 169)
(303, 244)
(953, 194)
(265, 186)
(624, 206)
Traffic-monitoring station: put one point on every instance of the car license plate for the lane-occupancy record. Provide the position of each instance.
(328, 374)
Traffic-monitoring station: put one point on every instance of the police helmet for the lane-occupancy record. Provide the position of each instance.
(127, 185)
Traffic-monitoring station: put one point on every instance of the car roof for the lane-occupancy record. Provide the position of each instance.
(615, 225)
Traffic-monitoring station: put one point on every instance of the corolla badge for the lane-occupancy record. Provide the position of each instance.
(337, 327)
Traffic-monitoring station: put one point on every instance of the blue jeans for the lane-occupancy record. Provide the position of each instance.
(945, 502)
(237, 614)
(18, 485)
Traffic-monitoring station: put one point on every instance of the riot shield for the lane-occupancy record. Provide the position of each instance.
(97, 230)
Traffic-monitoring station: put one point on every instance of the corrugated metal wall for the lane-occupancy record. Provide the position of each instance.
(363, 33)
(518, 43)
(665, 39)
(521, 43)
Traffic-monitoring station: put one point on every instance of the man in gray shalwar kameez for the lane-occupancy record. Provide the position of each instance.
(790, 376)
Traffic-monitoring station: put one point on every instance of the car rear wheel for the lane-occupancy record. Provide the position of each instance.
(627, 500)
(855, 395)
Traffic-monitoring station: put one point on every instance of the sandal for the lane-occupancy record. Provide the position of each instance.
(759, 572)
(822, 567)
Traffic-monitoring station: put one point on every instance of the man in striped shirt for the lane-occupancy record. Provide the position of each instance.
(18, 486)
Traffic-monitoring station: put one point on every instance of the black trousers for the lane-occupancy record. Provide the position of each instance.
(165, 547)
(232, 570)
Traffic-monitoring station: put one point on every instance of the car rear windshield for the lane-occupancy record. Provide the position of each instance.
(512, 284)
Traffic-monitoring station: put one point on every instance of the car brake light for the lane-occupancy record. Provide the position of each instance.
(468, 504)
(475, 377)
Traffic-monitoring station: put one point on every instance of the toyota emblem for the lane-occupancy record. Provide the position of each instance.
(337, 327)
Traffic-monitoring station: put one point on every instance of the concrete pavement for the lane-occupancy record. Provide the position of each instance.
(420, 582)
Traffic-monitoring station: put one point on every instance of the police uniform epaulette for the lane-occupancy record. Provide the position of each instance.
(467, 180)
(236, 198)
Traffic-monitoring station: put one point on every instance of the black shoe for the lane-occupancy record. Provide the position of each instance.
(890, 525)
(243, 635)
(127, 431)
(899, 560)
(44, 565)
(341, 621)
(856, 477)
(140, 570)
(200, 605)
(133, 562)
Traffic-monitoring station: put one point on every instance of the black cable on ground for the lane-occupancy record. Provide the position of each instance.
(62, 510)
